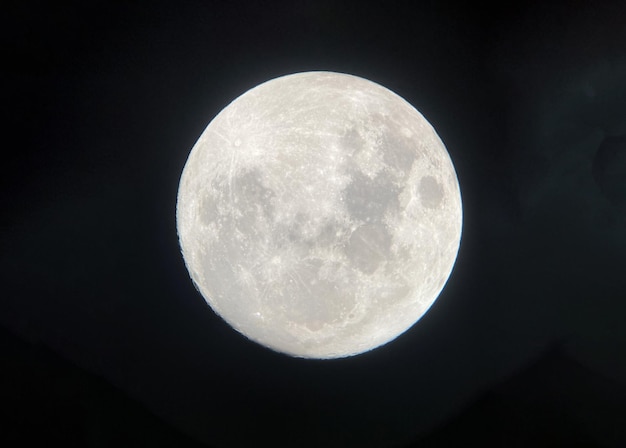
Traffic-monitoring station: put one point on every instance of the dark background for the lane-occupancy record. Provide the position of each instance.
(105, 342)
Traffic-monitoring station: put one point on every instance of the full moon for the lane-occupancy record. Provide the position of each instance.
(319, 214)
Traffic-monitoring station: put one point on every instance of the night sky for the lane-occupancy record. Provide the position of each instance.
(104, 340)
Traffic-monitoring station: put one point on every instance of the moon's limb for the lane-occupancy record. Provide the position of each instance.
(319, 214)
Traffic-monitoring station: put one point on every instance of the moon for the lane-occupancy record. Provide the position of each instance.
(319, 214)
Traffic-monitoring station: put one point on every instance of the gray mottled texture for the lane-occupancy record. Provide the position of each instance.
(319, 214)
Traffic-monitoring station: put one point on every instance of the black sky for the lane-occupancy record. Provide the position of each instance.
(102, 103)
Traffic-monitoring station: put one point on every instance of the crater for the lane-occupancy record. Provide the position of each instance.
(431, 192)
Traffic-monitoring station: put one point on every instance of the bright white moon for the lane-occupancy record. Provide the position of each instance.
(319, 214)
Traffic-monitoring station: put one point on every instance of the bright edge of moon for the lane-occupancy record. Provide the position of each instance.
(319, 214)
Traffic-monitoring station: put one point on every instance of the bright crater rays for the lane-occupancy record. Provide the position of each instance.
(319, 214)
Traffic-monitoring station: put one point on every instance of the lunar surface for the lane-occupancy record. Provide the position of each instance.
(319, 214)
